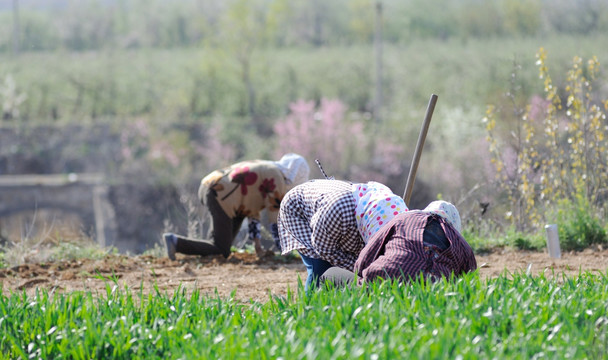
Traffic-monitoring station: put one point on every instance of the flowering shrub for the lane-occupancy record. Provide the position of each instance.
(560, 147)
(176, 155)
(344, 143)
(139, 141)
(215, 152)
(11, 98)
(135, 140)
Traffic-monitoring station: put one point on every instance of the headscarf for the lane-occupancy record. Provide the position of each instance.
(376, 204)
(294, 167)
(447, 211)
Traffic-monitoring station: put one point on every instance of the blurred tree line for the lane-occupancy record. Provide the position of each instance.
(187, 86)
(36, 25)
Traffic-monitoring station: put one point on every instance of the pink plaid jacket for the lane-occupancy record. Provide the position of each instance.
(398, 251)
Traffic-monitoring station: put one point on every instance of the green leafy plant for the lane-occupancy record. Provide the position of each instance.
(579, 227)
(500, 239)
(42, 242)
(560, 146)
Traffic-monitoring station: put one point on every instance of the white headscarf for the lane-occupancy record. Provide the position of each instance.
(447, 211)
(294, 167)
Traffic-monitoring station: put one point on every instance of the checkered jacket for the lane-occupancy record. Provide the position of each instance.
(397, 251)
(317, 218)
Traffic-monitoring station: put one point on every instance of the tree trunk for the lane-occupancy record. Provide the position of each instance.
(378, 55)
(16, 30)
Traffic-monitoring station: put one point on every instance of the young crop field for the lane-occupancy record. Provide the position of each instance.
(521, 316)
(516, 305)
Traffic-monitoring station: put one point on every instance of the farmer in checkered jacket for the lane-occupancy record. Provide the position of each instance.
(328, 222)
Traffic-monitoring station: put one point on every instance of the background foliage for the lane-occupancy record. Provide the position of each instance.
(184, 87)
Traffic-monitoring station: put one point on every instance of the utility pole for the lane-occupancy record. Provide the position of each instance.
(16, 27)
(378, 57)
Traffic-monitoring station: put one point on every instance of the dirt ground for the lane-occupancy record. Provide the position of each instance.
(253, 278)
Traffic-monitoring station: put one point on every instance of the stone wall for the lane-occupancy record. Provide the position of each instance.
(139, 206)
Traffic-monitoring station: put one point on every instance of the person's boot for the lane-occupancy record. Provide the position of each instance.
(170, 241)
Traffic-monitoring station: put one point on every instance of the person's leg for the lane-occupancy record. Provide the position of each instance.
(188, 246)
(308, 265)
(337, 276)
(225, 228)
(315, 268)
(222, 233)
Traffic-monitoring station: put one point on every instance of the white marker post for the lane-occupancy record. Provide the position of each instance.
(553, 241)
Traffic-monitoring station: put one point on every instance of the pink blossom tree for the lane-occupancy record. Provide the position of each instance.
(341, 141)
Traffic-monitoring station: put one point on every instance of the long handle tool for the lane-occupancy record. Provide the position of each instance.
(414, 167)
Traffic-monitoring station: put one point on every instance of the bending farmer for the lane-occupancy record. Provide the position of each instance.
(414, 243)
(237, 192)
(329, 221)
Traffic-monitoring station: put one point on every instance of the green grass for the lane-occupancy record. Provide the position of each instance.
(47, 249)
(515, 316)
(535, 241)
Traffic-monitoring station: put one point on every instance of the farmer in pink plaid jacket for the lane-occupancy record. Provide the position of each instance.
(414, 243)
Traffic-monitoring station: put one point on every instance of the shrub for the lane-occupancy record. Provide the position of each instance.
(51, 245)
(346, 145)
(578, 225)
(558, 148)
(512, 238)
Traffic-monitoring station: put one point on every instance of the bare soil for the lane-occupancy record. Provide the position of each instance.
(253, 278)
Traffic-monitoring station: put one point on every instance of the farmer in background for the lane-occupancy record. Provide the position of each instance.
(237, 192)
(329, 221)
(417, 242)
